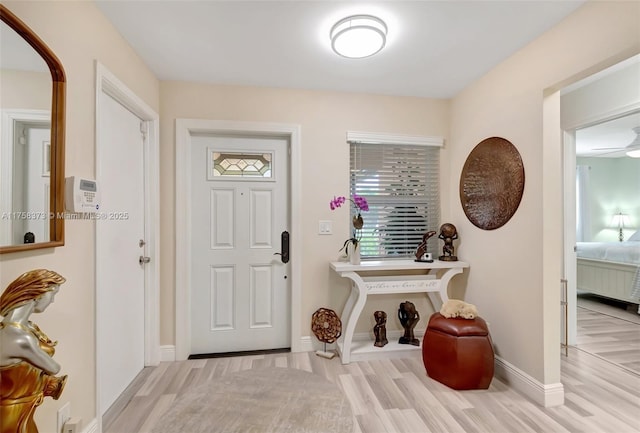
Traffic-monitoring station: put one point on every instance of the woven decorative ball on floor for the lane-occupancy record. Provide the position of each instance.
(326, 325)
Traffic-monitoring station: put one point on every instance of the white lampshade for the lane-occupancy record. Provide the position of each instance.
(358, 36)
(620, 220)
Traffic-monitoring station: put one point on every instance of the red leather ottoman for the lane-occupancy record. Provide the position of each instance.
(458, 352)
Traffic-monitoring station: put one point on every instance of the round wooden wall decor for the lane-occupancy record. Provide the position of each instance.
(492, 183)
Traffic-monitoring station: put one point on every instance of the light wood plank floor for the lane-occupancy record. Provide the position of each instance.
(610, 307)
(609, 331)
(397, 396)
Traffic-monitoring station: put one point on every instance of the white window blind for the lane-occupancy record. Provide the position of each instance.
(401, 183)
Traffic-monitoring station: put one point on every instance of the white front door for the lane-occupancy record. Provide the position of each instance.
(240, 291)
(119, 230)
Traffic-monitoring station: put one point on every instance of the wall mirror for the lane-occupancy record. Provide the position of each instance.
(32, 91)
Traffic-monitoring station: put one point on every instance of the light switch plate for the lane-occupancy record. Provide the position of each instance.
(324, 227)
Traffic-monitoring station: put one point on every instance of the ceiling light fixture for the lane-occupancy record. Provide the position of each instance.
(358, 36)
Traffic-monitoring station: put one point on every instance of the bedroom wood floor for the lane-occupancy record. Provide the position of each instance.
(397, 396)
(608, 330)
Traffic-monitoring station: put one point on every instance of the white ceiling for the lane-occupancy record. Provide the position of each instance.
(434, 48)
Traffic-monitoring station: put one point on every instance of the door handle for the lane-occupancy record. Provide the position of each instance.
(142, 260)
(284, 247)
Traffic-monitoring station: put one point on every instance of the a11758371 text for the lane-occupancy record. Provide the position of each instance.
(35, 215)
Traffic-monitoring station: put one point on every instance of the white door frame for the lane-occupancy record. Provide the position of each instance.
(570, 264)
(184, 129)
(107, 85)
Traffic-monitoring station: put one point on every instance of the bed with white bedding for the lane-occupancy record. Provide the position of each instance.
(610, 269)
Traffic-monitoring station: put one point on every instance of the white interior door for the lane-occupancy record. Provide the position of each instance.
(240, 291)
(120, 228)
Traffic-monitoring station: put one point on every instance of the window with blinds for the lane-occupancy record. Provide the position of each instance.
(401, 184)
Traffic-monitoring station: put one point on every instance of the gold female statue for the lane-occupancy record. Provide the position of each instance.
(27, 368)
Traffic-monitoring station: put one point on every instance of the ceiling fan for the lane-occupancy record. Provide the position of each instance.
(632, 149)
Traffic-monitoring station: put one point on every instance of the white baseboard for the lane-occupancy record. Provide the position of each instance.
(167, 353)
(92, 427)
(306, 344)
(545, 395)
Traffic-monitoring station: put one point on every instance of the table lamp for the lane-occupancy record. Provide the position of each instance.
(620, 221)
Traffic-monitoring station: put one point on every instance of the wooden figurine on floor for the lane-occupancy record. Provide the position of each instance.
(327, 327)
(409, 317)
(380, 329)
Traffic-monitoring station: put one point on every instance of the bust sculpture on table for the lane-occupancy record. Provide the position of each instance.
(27, 368)
(448, 233)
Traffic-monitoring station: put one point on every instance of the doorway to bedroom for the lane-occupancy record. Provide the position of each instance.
(608, 248)
(602, 214)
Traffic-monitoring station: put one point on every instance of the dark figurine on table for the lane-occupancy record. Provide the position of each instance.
(448, 233)
(421, 251)
(380, 329)
(409, 317)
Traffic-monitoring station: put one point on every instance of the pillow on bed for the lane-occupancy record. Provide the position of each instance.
(634, 237)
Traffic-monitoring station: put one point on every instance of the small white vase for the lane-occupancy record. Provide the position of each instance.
(354, 253)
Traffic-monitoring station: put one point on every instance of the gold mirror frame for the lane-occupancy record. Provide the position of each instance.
(56, 209)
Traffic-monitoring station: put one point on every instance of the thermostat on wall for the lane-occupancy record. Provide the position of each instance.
(81, 195)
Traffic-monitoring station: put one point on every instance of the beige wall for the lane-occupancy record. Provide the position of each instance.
(79, 34)
(25, 90)
(516, 270)
(324, 117)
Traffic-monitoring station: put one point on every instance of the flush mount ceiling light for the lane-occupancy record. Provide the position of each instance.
(358, 36)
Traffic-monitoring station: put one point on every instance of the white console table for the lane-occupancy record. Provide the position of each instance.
(388, 277)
